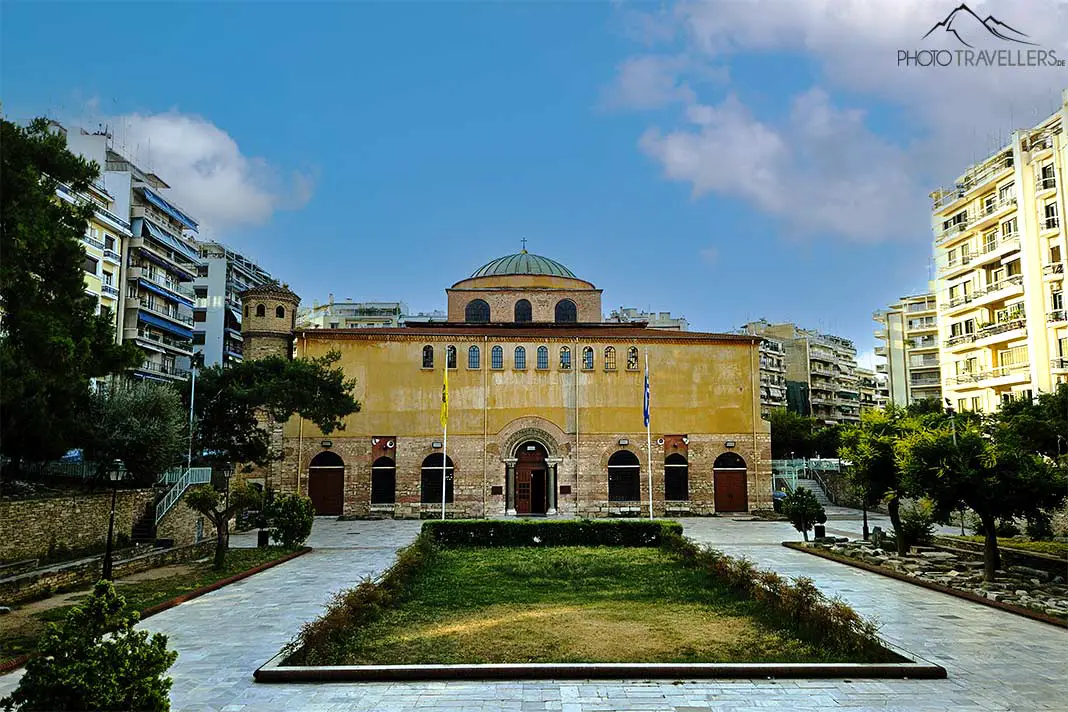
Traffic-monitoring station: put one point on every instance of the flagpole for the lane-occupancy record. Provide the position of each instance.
(648, 433)
(445, 426)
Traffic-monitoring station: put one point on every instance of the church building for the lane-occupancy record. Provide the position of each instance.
(545, 408)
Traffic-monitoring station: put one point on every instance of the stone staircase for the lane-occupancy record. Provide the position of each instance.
(817, 489)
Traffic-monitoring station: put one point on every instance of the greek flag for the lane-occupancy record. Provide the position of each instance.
(646, 408)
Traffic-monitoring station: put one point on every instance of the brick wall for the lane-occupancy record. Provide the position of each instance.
(182, 525)
(31, 528)
(542, 303)
(479, 468)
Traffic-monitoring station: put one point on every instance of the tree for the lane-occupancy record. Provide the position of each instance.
(804, 510)
(220, 509)
(873, 470)
(52, 341)
(791, 434)
(1038, 425)
(229, 403)
(96, 660)
(141, 424)
(291, 517)
(975, 462)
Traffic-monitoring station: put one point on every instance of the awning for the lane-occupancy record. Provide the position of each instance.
(157, 260)
(171, 241)
(156, 289)
(166, 207)
(161, 323)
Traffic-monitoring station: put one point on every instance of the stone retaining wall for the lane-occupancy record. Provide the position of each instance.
(36, 528)
(35, 584)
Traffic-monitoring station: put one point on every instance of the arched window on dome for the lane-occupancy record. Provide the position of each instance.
(477, 312)
(566, 312)
(520, 358)
(523, 312)
(280, 312)
(261, 310)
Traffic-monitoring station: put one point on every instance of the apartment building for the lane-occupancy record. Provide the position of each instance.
(908, 336)
(999, 240)
(221, 277)
(868, 384)
(821, 370)
(350, 314)
(654, 320)
(772, 375)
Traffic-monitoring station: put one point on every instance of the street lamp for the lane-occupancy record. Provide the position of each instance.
(116, 473)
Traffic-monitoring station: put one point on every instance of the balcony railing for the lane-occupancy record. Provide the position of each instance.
(928, 381)
(1050, 223)
(1059, 363)
(185, 345)
(111, 255)
(169, 313)
(1057, 315)
(108, 289)
(961, 339)
(1055, 268)
(1010, 324)
(1014, 281)
(1046, 183)
(165, 368)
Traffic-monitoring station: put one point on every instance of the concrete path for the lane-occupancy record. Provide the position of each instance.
(996, 661)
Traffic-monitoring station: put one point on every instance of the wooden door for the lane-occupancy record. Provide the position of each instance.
(731, 491)
(522, 490)
(326, 488)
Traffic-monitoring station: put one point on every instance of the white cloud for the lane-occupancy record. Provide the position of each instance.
(209, 175)
(833, 167)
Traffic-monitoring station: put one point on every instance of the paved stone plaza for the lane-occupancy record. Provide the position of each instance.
(996, 660)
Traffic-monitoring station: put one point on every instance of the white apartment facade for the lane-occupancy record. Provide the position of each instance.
(908, 336)
(1000, 253)
(221, 277)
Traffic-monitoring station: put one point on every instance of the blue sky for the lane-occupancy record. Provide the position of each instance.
(721, 161)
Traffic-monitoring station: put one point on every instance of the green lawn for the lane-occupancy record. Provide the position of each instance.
(20, 629)
(1053, 548)
(572, 604)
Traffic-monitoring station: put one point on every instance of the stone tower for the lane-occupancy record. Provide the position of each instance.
(270, 316)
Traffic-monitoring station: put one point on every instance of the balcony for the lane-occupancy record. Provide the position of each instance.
(184, 346)
(1059, 364)
(98, 244)
(1048, 183)
(109, 290)
(171, 285)
(111, 256)
(1049, 223)
(1001, 331)
(1052, 269)
(976, 176)
(1056, 316)
(958, 340)
(991, 293)
(925, 381)
(165, 369)
(136, 302)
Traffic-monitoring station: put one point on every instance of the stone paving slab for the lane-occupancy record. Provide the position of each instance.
(996, 661)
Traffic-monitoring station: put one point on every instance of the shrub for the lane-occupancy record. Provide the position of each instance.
(917, 521)
(1008, 528)
(804, 510)
(574, 532)
(291, 517)
(95, 660)
(1059, 520)
(1040, 526)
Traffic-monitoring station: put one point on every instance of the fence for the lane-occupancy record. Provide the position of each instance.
(785, 473)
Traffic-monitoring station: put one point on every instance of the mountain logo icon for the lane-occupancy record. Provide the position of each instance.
(963, 23)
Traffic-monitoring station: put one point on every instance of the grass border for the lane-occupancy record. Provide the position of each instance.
(931, 585)
(12, 664)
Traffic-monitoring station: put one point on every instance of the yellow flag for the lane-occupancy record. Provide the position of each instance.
(445, 396)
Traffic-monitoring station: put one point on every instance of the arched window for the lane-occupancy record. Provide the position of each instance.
(523, 311)
(473, 358)
(676, 478)
(624, 477)
(450, 356)
(587, 358)
(520, 358)
(431, 479)
(384, 481)
(261, 310)
(246, 310)
(609, 358)
(566, 312)
(729, 461)
(477, 312)
(428, 357)
(280, 312)
(543, 357)
(327, 458)
(496, 357)
(632, 358)
(565, 358)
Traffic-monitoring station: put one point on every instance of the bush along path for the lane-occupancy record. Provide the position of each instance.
(1030, 591)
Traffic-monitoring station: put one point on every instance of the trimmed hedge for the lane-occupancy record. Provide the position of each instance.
(560, 532)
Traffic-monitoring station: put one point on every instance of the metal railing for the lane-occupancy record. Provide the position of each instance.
(1047, 183)
(1059, 363)
(1015, 280)
(170, 314)
(961, 339)
(1057, 315)
(187, 478)
(165, 369)
(1011, 323)
(1052, 223)
(1054, 268)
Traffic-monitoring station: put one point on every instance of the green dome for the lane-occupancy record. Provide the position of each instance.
(523, 263)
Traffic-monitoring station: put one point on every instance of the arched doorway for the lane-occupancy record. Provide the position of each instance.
(531, 479)
(326, 483)
(431, 474)
(729, 472)
(624, 477)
